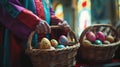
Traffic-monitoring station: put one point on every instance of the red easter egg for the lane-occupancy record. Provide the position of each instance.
(100, 36)
(90, 36)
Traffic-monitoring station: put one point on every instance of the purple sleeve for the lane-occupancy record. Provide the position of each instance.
(13, 7)
(15, 26)
(52, 12)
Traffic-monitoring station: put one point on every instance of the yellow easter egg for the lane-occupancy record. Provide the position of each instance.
(110, 38)
(45, 44)
(54, 42)
(52, 48)
(87, 43)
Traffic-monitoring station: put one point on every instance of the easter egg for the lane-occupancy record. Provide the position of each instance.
(90, 36)
(63, 40)
(110, 38)
(60, 46)
(67, 46)
(52, 48)
(100, 36)
(87, 43)
(106, 42)
(54, 42)
(98, 42)
(45, 44)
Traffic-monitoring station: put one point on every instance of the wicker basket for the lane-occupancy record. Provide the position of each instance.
(117, 56)
(99, 53)
(53, 58)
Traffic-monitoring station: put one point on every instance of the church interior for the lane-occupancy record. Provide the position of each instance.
(90, 11)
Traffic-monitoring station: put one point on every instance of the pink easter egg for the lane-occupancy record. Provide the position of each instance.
(90, 36)
(100, 36)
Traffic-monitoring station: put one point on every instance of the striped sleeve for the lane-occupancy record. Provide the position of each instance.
(17, 11)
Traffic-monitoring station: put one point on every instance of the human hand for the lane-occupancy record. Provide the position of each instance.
(64, 25)
(43, 27)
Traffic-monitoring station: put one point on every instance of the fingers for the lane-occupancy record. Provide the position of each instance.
(39, 28)
(43, 27)
(64, 25)
(48, 28)
(67, 28)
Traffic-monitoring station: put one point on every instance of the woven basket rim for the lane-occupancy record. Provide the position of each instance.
(105, 45)
(50, 50)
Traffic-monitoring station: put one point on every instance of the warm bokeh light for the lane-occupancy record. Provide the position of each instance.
(59, 11)
(84, 15)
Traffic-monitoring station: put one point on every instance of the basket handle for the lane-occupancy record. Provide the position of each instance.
(29, 47)
(96, 25)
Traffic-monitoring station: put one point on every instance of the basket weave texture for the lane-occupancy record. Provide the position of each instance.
(99, 53)
(53, 58)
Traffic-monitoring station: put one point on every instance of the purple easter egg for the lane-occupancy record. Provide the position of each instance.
(63, 40)
(90, 36)
(100, 36)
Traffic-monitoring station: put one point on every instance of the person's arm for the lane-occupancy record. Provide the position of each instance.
(17, 19)
(15, 9)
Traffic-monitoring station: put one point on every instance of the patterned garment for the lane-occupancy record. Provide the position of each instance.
(17, 19)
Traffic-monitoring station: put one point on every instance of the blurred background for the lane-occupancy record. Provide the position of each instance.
(81, 13)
